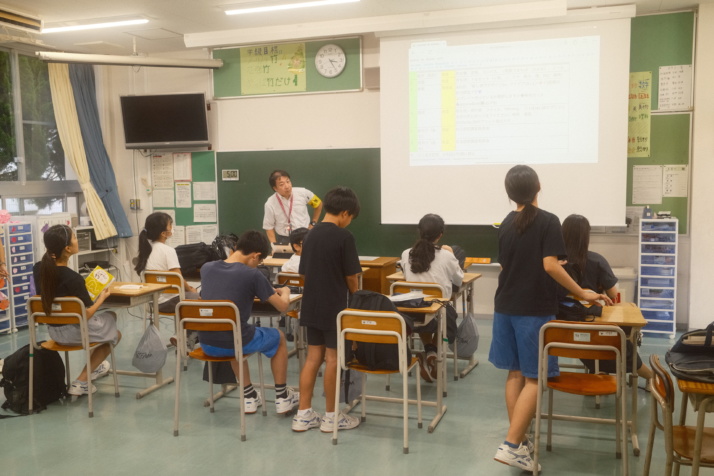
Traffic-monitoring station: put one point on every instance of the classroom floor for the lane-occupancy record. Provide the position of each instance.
(130, 436)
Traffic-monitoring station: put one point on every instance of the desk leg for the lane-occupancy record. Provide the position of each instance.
(701, 413)
(441, 374)
(473, 361)
(634, 379)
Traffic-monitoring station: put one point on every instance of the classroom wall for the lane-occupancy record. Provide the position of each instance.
(346, 120)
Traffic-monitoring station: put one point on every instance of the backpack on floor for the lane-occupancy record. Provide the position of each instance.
(49, 380)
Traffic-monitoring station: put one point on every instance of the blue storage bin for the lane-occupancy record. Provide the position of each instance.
(21, 321)
(659, 326)
(658, 315)
(658, 226)
(22, 259)
(659, 248)
(20, 280)
(4, 324)
(659, 259)
(23, 289)
(656, 304)
(657, 282)
(20, 227)
(657, 293)
(657, 271)
(20, 238)
(659, 237)
(21, 269)
(19, 299)
(19, 249)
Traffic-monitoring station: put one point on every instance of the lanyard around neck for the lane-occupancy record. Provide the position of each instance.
(290, 211)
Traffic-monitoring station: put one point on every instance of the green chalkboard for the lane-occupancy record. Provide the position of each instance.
(664, 40)
(227, 79)
(203, 169)
(240, 204)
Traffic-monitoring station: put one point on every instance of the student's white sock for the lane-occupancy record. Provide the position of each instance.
(304, 412)
(329, 414)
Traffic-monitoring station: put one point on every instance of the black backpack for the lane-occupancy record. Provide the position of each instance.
(224, 245)
(377, 356)
(48, 376)
(570, 309)
(192, 256)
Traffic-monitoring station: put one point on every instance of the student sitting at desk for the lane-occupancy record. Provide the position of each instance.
(156, 255)
(429, 262)
(237, 279)
(54, 278)
(331, 268)
(296, 238)
(592, 271)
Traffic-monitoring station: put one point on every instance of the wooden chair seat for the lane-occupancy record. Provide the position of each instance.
(579, 383)
(683, 443)
(49, 344)
(365, 369)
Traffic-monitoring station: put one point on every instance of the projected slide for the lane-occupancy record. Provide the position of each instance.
(530, 101)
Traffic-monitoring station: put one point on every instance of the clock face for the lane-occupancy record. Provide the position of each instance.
(330, 60)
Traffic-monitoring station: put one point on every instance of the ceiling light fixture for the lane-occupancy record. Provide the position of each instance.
(59, 57)
(287, 6)
(94, 26)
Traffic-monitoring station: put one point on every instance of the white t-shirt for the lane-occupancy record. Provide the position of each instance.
(162, 258)
(291, 265)
(444, 271)
(276, 217)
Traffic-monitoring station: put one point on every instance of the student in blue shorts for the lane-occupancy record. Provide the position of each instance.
(530, 247)
(237, 279)
(331, 267)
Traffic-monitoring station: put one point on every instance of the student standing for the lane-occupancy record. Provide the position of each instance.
(331, 267)
(54, 278)
(429, 262)
(592, 271)
(286, 209)
(530, 245)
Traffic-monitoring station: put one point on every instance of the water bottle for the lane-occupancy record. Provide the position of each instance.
(647, 212)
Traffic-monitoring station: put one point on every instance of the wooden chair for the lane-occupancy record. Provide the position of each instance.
(294, 279)
(582, 341)
(201, 315)
(65, 310)
(177, 288)
(678, 439)
(380, 327)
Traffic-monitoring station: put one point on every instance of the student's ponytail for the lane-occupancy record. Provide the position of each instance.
(56, 238)
(522, 187)
(155, 224)
(431, 227)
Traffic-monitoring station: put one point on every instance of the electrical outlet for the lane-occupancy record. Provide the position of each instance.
(135, 204)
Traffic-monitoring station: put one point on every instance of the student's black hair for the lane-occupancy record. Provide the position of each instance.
(522, 186)
(341, 199)
(576, 234)
(431, 227)
(56, 239)
(253, 241)
(275, 175)
(297, 236)
(155, 224)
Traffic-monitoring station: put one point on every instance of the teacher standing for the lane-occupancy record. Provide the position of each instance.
(286, 209)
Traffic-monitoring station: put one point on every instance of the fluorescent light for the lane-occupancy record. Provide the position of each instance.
(59, 57)
(94, 26)
(287, 6)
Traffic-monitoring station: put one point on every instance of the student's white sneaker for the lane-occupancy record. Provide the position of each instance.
(518, 458)
(252, 403)
(102, 370)
(529, 444)
(289, 403)
(344, 422)
(80, 388)
(305, 422)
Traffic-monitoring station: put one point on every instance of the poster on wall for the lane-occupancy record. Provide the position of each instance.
(272, 69)
(638, 116)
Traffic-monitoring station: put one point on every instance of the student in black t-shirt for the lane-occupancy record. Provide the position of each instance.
(54, 279)
(530, 245)
(331, 268)
(592, 271)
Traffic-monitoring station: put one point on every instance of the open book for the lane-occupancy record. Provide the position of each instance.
(97, 280)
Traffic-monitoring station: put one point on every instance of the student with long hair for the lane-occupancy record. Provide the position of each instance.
(429, 262)
(156, 255)
(530, 245)
(53, 279)
(592, 271)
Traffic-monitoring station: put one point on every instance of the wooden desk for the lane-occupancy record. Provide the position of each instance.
(120, 297)
(375, 278)
(627, 314)
(465, 292)
(702, 396)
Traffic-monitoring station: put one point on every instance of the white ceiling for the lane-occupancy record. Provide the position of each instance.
(169, 20)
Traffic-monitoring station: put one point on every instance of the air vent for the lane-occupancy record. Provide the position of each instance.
(19, 21)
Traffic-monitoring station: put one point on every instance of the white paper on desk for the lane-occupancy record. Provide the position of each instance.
(368, 258)
(130, 286)
(407, 296)
(293, 296)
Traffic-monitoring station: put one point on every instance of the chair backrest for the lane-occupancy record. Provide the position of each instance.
(65, 310)
(291, 279)
(429, 289)
(165, 277)
(203, 315)
(594, 340)
(662, 386)
(380, 327)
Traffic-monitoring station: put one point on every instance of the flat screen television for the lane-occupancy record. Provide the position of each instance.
(164, 121)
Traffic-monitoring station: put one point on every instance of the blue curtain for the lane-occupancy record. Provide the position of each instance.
(100, 168)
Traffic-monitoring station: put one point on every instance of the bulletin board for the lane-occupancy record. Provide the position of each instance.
(284, 68)
(656, 41)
